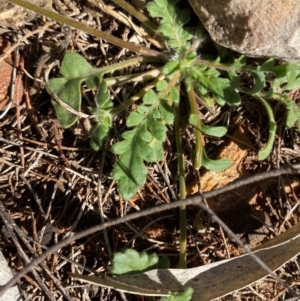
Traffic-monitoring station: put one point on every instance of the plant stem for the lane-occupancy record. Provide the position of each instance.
(118, 66)
(72, 23)
(182, 188)
(132, 78)
(198, 136)
(225, 67)
(135, 97)
(171, 84)
(216, 66)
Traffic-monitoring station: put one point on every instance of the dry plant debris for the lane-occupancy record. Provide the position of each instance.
(52, 184)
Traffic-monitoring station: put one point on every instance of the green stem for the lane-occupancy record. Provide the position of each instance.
(72, 23)
(118, 66)
(135, 97)
(276, 96)
(171, 84)
(182, 188)
(132, 78)
(216, 66)
(198, 136)
(225, 67)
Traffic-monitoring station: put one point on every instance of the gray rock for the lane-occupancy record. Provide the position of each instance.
(257, 28)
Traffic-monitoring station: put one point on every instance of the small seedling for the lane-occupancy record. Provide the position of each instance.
(130, 263)
(215, 82)
(183, 75)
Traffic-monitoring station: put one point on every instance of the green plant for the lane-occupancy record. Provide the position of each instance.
(131, 262)
(214, 81)
(157, 105)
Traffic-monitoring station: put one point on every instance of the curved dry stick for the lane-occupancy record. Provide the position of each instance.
(195, 200)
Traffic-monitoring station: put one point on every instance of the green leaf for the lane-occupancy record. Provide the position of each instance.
(98, 136)
(202, 88)
(142, 143)
(212, 72)
(166, 111)
(259, 78)
(193, 119)
(130, 172)
(142, 109)
(292, 77)
(161, 85)
(74, 65)
(134, 119)
(265, 152)
(174, 95)
(103, 97)
(75, 70)
(172, 21)
(158, 128)
(293, 112)
(69, 92)
(164, 263)
(280, 71)
(215, 165)
(239, 62)
(224, 91)
(186, 295)
(103, 116)
(267, 149)
(171, 68)
(214, 131)
(131, 262)
(150, 97)
(191, 56)
(267, 65)
(234, 79)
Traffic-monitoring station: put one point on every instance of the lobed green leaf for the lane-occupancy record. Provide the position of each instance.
(131, 262)
(134, 119)
(171, 68)
(142, 143)
(172, 21)
(224, 91)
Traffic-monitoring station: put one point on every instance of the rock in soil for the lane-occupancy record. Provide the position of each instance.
(268, 28)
